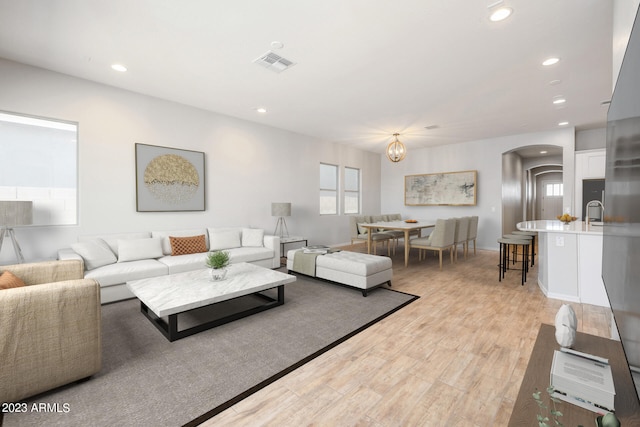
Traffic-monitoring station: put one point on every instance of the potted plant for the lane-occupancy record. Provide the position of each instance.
(542, 417)
(218, 261)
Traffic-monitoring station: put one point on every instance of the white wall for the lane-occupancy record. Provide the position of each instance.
(485, 156)
(248, 165)
(592, 139)
(624, 14)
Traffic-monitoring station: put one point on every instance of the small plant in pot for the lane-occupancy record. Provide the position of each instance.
(542, 417)
(218, 261)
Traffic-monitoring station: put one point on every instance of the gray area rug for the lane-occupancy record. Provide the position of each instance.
(146, 380)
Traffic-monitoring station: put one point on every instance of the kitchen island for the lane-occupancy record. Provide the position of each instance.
(569, 260)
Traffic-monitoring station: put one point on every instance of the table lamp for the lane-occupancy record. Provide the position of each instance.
(281, 210)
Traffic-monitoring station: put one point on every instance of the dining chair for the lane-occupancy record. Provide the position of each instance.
(472, 232)
(461, 236)
(441, 239)
(359, 233)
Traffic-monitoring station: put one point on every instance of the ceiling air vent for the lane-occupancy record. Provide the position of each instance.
(274, 62)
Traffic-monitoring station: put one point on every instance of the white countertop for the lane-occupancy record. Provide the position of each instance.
(555, 226)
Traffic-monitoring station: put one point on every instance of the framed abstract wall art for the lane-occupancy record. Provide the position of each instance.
(169, 179)
(441, 189)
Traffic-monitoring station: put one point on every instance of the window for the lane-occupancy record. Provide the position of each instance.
(351, 190)
(40, 164)
(328, 189)
(554, 190)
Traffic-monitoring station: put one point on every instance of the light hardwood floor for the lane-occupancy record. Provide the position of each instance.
(454, 357)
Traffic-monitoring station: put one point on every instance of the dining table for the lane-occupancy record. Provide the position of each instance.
(406, 227)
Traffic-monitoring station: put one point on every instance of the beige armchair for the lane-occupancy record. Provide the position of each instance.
(51, 328)
(441, 238)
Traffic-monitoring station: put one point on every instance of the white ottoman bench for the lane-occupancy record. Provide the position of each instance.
(362, 271)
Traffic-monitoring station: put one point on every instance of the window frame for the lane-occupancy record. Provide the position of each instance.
(43, 196)
(336, 190)
(357, 192)
(557, 189)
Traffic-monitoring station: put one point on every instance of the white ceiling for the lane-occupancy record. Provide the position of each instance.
(365, 69)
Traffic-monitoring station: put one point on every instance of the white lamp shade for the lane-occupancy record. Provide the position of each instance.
(280, 209)
(16, 212)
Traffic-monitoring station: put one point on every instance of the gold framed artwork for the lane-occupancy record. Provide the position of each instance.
(169, 179)
(441, 189)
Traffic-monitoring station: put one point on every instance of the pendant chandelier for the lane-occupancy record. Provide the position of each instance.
(396, 150)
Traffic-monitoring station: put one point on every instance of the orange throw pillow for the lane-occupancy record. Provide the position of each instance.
(9, 280)
(188, 245)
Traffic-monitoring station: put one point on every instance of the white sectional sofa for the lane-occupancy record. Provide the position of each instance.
(114, 259)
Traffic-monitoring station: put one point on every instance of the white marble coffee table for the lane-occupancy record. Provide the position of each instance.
(168, 296)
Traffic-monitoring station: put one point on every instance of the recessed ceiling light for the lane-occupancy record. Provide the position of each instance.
(500, 14)
(544, 152)
(555, 82)
(550, 61)
(558, 101)
(261, 110)
(277, 45)
(119, 67)
(563, 123)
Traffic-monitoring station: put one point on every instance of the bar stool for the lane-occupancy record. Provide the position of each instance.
(533, 243)
(515, 235)
(503, 265)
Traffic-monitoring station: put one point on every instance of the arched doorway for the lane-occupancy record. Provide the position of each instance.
(549, 191)
(525, 173)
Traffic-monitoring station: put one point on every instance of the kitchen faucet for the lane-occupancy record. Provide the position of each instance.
(594, 202)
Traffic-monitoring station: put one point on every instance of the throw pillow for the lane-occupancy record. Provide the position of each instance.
(252, 237)
(9, 280)
(166, 243)
(95, 253)
(136, 249)
(227, 239)
(188, 245)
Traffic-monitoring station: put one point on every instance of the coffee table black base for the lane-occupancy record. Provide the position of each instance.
(170, 329)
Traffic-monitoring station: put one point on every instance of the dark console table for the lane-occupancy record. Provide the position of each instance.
(526, 409)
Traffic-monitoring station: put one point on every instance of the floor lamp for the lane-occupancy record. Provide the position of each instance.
(281, 210)
(12, 213)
